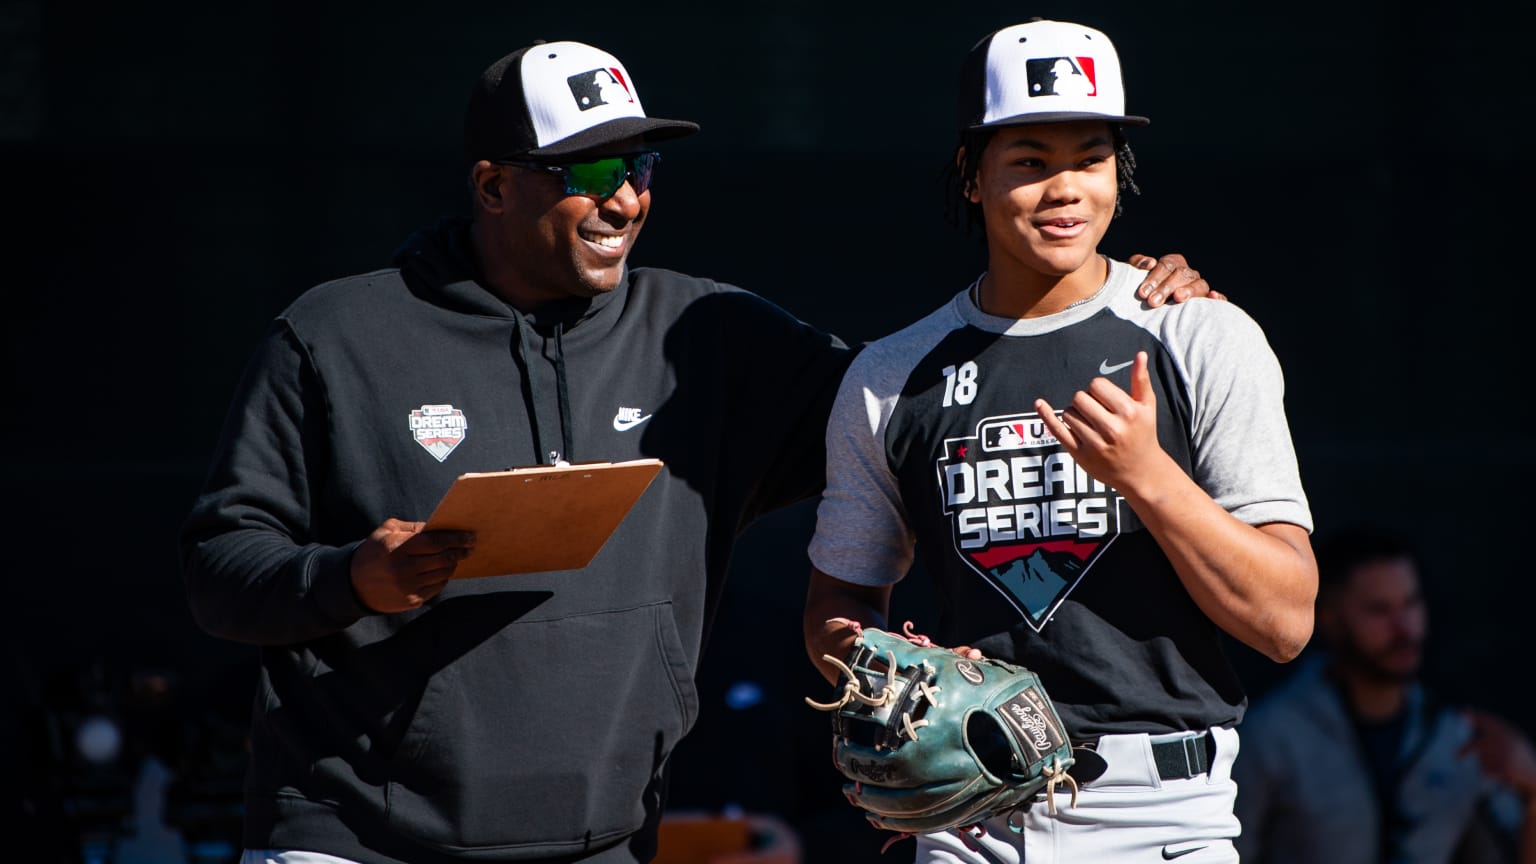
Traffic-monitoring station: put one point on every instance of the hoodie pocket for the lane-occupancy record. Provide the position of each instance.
(550, 737)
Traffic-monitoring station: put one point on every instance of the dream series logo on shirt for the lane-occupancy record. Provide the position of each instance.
(1023, 514)
(438, 428)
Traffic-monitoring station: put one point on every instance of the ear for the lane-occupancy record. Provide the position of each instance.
(485, 180)
(967, 189)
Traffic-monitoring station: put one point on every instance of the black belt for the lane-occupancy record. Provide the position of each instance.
(1179, 759)
(1186, 757)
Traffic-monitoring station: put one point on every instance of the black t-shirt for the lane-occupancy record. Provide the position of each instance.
(935, 450)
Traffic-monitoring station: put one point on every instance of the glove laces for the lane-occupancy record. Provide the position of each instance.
(1055, 773)
(887, 693)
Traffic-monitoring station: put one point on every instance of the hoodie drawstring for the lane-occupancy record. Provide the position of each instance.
(563, 392)
(543, 455)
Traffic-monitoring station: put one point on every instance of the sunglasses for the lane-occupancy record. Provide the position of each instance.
(600, 177)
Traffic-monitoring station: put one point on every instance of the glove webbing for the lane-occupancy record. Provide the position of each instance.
(887, 694)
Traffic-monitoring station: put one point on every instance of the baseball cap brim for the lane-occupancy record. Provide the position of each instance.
(1061, 117)
(647, 129)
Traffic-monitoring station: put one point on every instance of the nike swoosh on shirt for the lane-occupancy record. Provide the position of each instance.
(1169, 856)
(1106, 369)
(623, 425)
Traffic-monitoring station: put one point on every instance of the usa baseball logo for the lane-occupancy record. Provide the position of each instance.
(1022, 513)
(438, 428)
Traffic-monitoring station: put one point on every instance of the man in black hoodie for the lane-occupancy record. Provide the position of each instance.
(402, 716)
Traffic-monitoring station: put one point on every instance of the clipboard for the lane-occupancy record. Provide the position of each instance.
(550, 517)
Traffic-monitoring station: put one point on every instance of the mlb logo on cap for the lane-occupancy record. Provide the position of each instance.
(554, 99)
(1043, 72)
(596, 87)
(1061, 76)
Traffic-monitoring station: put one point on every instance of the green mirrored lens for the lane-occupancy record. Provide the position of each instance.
(602, 177)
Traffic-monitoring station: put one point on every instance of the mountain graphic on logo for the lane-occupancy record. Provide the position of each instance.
(1037, 576)
(1039, 579)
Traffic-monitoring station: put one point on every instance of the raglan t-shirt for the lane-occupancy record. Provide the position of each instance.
(935, 450)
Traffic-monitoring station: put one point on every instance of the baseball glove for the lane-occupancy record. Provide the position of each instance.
(932, 741)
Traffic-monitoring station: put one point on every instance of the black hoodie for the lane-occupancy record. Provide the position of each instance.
(514, 717)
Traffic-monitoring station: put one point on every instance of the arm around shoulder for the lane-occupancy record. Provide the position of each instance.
(785, 376)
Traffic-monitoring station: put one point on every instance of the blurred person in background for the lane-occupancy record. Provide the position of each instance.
(1354, 759)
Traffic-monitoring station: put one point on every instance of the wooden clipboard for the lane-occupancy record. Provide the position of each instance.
(552, 517)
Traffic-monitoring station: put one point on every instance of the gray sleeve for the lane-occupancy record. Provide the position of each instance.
(862, 531)
(1243, 455)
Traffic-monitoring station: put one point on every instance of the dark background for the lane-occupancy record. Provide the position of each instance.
(1352, 174)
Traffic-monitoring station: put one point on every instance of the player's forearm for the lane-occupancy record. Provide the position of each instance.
(828, 599)
(1256, 583)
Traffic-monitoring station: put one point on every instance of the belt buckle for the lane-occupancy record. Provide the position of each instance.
(1183, 757)
(1196, 754)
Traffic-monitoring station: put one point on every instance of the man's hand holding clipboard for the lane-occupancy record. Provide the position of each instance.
(552, 517)
(401, 566)
(523, 520)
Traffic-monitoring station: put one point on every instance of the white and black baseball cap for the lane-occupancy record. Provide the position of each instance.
(553, 99)
(1042, 72)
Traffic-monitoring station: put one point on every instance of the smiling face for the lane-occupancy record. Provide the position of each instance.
(1047, 193)
(538, 244)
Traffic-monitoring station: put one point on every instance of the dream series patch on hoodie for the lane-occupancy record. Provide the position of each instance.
(438, 428)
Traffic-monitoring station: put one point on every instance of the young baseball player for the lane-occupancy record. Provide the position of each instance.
(1099, 487)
